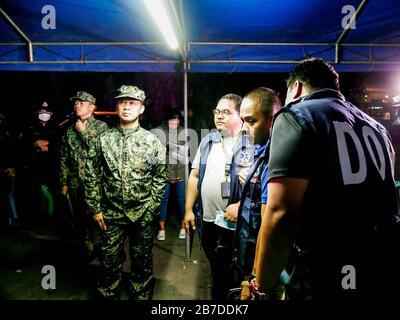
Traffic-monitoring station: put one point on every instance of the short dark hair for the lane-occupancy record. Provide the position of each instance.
(234, 97)
(270, 102)
(174, 113)
(315, 73)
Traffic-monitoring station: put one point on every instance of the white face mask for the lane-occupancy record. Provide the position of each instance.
(44, 117)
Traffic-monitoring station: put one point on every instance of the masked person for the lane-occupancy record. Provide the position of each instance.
(40, 148)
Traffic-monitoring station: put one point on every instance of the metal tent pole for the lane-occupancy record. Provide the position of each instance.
(20, 32)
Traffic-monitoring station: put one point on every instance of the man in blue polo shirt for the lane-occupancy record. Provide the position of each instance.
(256, 111)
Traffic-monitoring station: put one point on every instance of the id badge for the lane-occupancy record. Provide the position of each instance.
(225, 190)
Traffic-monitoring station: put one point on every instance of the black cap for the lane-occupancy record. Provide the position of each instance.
(43, 106)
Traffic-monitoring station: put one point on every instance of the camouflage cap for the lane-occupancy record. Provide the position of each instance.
(84, 96)
(133, 92)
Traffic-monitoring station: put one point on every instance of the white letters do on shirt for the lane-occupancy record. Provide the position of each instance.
(369, 137)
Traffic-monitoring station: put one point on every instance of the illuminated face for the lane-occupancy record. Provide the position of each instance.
(129, 110)
(226, 118)
(173, 123)
(255, 124)
(83, 109)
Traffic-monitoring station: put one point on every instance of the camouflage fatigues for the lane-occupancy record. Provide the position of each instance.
(74, 153)
(131, 92)
(125, 180)
(84, 96)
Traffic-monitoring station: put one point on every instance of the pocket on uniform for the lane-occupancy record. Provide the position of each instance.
(112, 163)
(142, 164)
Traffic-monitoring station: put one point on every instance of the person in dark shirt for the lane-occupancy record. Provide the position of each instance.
(331, 216)
(172, 136)
(39, 156)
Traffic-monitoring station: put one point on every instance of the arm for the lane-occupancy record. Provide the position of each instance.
(159, 179)
(92, 185)
(64, 167)
(288, 175)
(191, 197)
(278, 228)
(92, 181)
(263, 208)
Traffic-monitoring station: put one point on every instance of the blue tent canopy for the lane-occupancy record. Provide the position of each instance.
(216, 35)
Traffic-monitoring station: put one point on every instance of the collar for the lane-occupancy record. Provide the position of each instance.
(324, 93)
(90, 119)
(215, 136)
(261, 149)
(320, 94)
(128, 131)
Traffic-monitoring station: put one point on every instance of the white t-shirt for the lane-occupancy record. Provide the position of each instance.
(214, 175)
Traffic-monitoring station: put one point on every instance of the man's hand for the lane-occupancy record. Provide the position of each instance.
(80, 125)
(189, 221)
(64, 191)
(98, 217)
(243, 174)
(231, 212)
(250, 292)
(10, 172)
(245, 295)
(43, 145)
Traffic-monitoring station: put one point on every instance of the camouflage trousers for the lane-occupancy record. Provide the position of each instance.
(141, 236)
(88, 233)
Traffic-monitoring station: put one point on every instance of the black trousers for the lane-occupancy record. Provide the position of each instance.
(217, 243)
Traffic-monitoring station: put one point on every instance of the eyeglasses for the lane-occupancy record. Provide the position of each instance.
(224, 112)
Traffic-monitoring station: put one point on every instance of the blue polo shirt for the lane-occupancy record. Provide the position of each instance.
(264, 174)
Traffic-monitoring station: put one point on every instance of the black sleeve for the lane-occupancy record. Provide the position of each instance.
(291, 150)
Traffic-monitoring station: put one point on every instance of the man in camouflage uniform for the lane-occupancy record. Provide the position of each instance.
(74, 153)
(125, 182)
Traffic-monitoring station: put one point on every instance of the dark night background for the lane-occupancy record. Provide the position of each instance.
(21, 92)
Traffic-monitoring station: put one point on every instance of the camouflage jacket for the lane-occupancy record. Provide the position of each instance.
(74, 152)
(126, 174)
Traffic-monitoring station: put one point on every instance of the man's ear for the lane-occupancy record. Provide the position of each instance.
(141, 109)
(298, 89)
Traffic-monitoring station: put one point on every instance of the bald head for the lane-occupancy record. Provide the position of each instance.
(257, 110)
(268, 100)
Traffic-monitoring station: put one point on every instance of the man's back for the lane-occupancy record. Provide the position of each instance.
(350, 203)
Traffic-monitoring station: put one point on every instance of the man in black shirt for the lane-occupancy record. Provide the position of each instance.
(331, 210)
